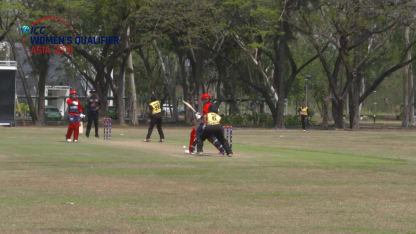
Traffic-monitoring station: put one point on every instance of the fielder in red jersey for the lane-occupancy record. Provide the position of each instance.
(74, 116)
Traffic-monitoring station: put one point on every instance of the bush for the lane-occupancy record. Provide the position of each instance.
(21, 108)
(246, 120)
(262, 120)
(292, 120)
(295, 121)
(311, 112)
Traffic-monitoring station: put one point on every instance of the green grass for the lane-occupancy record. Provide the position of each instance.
(278, 181)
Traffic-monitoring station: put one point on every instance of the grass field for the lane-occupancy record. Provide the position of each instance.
(278, 181)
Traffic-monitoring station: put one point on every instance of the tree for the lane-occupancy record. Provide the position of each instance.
(408, 87)
(264, 31)
(97, 63)
(182, 32)
(133, 98)
(360, 34)
(39, 62)
(8, 17)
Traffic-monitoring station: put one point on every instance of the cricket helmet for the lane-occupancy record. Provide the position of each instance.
(72, 92)
(205, 96)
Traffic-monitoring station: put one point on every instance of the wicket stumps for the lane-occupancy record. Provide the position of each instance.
(228, 134)
(107, 128)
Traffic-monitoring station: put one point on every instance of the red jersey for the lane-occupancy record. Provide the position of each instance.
(74, 107)
(206, 107)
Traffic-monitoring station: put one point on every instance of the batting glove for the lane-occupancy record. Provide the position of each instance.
(198, 115)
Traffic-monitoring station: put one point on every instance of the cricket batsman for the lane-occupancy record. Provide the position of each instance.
(196, 132)
(74, 116)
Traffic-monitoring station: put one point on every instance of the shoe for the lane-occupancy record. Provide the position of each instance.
(304, 130)
(146, 140)
(88, 136)
(200, 153)
(75, 141)
(162, 140)
(68, 140)
(96, 136)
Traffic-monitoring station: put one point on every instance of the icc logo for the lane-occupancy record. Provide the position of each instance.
(25, 29)
(35, 30)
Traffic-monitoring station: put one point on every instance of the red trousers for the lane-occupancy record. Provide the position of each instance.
(73, 127)
(192, 140)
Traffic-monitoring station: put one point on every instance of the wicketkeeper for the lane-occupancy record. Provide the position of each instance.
(213, 128)
(74, 116)
(196, 132)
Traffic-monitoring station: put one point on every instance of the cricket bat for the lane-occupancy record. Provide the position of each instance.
(189, 106)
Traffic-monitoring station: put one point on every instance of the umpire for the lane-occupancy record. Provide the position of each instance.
(155, 115)
(93, 106)
(213, 128)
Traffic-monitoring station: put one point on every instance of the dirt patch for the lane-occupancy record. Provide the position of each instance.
(169, 149)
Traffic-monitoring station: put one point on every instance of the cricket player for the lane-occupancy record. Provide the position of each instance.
(304, 113)
(93, 108)
(213, 128)
(196, 132)
(155, 115)
(74, 116)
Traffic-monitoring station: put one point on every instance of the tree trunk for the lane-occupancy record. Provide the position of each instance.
(279, 77)
(133, 98)
(170, 80)
(234, 110)
(120, 81)
(354, 114)
(325, 112)
(43, 72)
(184, 82)
(102, 90)
(121, 107)
(362, 92)
(410, 87)
(273, 109)
(172, 90)
(408, 111)
(197, 64)
(280, 118)
(229, 95)
(405, 114)
(411, 102)
(32, 109)
(354, 102)
(338, 113)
